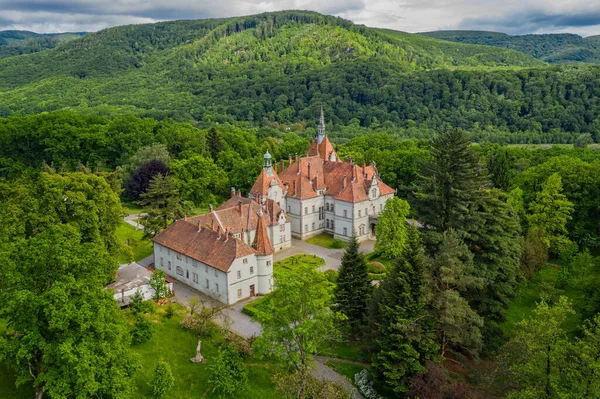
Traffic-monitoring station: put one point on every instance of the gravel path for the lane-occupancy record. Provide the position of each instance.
(333, 257)
(133, 220)
(324, 372)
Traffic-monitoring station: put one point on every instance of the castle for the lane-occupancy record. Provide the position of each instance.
(228, 252)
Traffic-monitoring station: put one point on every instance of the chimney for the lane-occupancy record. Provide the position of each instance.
(239, 193)
(294, 186)
(289, 159)
(210, 209)
(240, 208)
(212, 224)
(232, 192)
(199, 227)
(344, 182)
(226, 235)
(282, 165)
(219, 233)
(185, 216)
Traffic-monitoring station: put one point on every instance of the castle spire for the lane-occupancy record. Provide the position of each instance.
(321, 128)
(268, 165)
(262, 244)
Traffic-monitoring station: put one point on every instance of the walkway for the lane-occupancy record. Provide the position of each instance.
(134, 220)
(333, 257)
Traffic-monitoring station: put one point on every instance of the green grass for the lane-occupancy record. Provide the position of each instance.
(343, 350)
(348, 370)
(293, 261)
(130, 207)
(376, 257)
(133, 240)
(176, 346)
(324, 240)
(528, 297)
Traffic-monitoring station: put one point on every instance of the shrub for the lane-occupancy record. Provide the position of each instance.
(162, 380)
(376, 276)
(169, 311)
(251, 308)
(243, 347)
(229, 375)
(331, 275)
(337, 243)
(376, 267)
(138, 305)
(142, 330)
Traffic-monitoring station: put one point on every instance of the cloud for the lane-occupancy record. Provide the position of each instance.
(511, 16)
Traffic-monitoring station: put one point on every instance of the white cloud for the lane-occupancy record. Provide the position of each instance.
(511, 16)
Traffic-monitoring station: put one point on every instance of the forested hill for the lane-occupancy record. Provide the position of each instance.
(281, 67)
(16, 42)
(551, 48)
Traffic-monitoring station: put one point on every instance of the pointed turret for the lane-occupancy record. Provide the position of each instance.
(262, 244)
(321, 128)
(268, 163)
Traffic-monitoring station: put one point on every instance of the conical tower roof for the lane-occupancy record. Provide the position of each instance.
(262, 244)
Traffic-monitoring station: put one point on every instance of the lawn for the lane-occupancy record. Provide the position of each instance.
(348, 370)
(176, 346)
(326, 241)
(132, 239)
(131, 207)
(528, 297)
(343, 350)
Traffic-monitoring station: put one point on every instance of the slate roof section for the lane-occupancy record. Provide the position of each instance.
(204, 245)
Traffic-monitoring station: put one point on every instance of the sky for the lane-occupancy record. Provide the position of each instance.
(509, 16)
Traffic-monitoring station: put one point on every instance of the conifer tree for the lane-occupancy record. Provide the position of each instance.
(162, 204)
(353, 286)
(215, 145)
(449, 183)
(404, 339)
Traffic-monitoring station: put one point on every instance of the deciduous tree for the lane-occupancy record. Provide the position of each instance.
(162, 205)
(391, 228)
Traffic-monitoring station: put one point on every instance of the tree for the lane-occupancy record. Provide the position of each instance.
(229, 375)
(215, 145)
(499, 167)
(161, 203)
(535, 252)
(448, 183)
(139, 182)
(200, 321)
(200, 180)
(550, 212)
(57, 256)
(297, 318)
(162, 379)
(585, 269)
(403, 336)
(354, 287)
(158, 284)
(585, 357)
(142, 155)
(391, 228)
(538, 352)
(451, 273)
(583, 140)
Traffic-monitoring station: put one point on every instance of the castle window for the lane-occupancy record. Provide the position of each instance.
(187, 274)
(345, 213)
(327, 206)
(313, 225)
(282, 228)
(345, 231)
(195, 277)
(268, 263)
(178, 256)
(245, 261)
(306, 228)
(313, 209)
(359, 213)
(251, 269)
(161, 261)
(240, 293)
(169, 265)
(239, 274)
(205, 268)
(207, 284)
(327, 223)
(305, 210)
(332, 228)
(179, 270)
(331, 207)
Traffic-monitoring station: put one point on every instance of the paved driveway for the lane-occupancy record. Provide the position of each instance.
(333, 257)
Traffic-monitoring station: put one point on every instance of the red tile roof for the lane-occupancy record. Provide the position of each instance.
(203, 245)
(263, 182)
(262, 244)
(322, 150)
(228, 215)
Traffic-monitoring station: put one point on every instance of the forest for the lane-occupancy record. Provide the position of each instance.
(558, 48)
(269, 69)
(514, 223)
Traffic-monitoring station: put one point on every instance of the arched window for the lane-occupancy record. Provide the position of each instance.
(179, 270)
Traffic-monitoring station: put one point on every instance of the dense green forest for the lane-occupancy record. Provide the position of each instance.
(14, 42)
(552, 48)
(483, 248)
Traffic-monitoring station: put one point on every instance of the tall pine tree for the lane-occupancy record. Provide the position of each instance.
(403, 336)
(353, 286)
